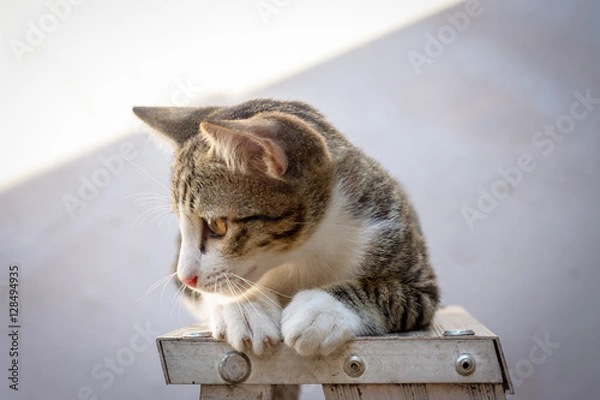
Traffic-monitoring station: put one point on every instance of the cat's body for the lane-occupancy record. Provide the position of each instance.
(289, 231)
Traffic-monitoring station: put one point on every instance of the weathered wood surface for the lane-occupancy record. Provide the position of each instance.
(414, 392)
(248, 392)
(242, 392)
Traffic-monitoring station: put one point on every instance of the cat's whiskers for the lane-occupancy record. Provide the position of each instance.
(164, 213)
(268, 298)
(165, 216)
(258, 285)
(162, 292)
(150, 201)
(180, 302)
(149, 196)
(155, 211)
(178, 296)
(260, 292)
(180, 289)
(247, 302)
(164, 280)
(232, 290)
(159, 207)
(144, 215)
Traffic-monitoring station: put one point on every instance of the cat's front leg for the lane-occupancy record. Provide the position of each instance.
(315, 322)
(319, 321)
(248, 325)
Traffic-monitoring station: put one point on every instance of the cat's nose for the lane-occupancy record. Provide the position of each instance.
(191, 282)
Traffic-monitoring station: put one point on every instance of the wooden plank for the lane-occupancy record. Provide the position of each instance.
(249, 392)
(414, 392)
(456, 318)
(242, 392)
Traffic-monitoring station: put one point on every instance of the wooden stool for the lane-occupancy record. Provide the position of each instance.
(458, 358)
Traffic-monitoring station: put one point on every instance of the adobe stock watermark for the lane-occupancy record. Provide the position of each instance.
(186, 90)
(91, 185)
(58, 12)
(14, 326)
(185, 87)
(538, 355)
(268, 9)
(435, 45)
(544, 141)
(105, 373)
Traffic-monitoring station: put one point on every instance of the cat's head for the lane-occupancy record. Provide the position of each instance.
(250, 183)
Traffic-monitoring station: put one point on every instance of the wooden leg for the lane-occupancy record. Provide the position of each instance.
(241, 392)
(415, 391)
(286, 392)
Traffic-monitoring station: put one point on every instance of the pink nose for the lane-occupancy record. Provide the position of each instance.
(191, 282)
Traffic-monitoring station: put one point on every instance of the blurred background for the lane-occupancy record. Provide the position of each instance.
(487, 111)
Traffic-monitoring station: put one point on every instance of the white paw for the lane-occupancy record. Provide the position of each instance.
(247, 326)
(317, 323)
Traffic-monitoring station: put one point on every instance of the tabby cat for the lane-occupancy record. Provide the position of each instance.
(288, 231)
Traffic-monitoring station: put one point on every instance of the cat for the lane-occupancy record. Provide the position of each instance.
(288, 231)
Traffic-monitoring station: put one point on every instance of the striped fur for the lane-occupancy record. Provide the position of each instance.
(310, 218)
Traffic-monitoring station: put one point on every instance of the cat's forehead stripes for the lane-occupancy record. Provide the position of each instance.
(204, 185)
(262, 232)
(261, 217)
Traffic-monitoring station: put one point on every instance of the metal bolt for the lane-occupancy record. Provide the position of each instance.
(195, 334)
(354, 366)
(465, 364)
(459, 332)
(235, 367)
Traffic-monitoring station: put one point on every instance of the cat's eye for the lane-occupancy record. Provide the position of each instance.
(218, 226)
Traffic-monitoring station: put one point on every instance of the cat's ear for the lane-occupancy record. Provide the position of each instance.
(175, 124)
(247, 145)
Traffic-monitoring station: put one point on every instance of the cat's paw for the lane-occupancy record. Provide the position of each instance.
(317, 323)
(247, 326)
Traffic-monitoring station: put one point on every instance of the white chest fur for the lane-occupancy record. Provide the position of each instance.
(334, 252)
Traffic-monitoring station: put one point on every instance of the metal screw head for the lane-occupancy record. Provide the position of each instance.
(465, 364)
(235, 367)
(354, 366)
(195, 334)
(458, 332)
